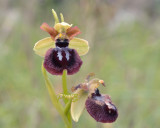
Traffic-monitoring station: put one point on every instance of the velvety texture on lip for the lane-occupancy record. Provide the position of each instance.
(57, 59)
(101, 109)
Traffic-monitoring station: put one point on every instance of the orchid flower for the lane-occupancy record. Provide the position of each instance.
(99, 106)
(62, 50)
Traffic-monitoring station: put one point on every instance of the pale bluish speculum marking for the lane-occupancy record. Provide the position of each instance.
(59, 54)
(67, 54)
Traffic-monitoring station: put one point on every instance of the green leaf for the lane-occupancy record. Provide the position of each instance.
(78, 106)
(80, 45)
(43, 45)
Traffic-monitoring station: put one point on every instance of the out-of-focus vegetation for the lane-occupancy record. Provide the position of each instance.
(124, 51)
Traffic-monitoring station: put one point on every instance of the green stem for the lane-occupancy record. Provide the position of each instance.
(67, 111)
(64, 85)
(66, 101)
(54, 99)
(69, 119)
(67, 107)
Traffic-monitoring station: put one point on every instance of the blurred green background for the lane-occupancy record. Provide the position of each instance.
(124, 51)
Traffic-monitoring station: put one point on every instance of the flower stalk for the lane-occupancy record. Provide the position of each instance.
(66, 101)
(55, 100)
(64, 85)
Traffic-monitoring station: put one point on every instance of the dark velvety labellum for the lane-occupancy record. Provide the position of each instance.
(101, 109)
(57, 59)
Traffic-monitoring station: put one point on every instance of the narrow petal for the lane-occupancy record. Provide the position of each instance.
(43, 45)
(62, 18)
(73, 31)
(55, 16)
(80, 45)
(53, 33)
(78, 106)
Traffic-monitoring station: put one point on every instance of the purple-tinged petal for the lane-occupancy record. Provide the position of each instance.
(73, 31)
(53, 33)
(58, 59)
(101, 108)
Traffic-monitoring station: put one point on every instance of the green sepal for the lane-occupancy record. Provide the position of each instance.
(78, 106)
(43, 45)
(80, 45)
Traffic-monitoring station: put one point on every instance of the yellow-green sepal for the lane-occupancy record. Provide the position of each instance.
(43, 45)
(78, 106)
(80, 45)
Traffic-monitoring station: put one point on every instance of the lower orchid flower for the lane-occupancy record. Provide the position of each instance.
(99, 106)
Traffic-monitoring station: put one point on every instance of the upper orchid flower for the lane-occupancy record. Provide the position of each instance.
(61, 50)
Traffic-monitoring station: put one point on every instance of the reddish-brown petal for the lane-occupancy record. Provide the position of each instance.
(53, 33)
(58, 59)
(101, 109)
(73, 31)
